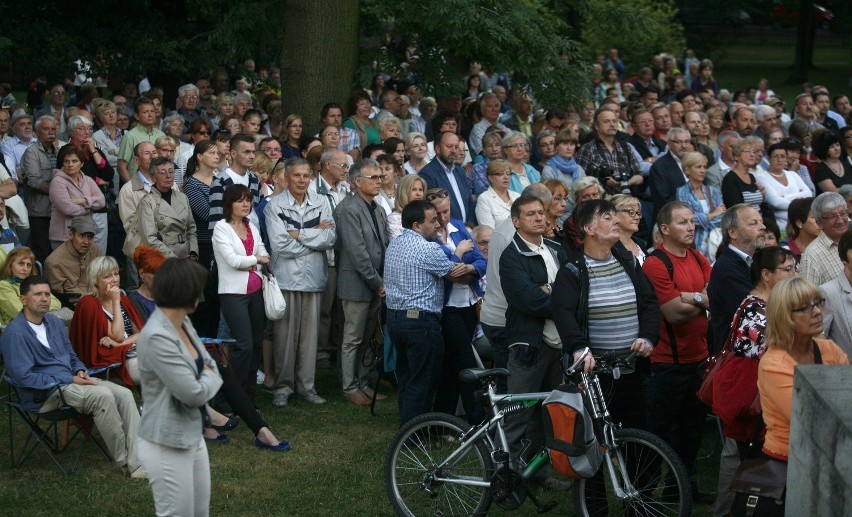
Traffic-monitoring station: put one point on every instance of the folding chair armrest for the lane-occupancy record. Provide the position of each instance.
(45, 387)
(96, 371)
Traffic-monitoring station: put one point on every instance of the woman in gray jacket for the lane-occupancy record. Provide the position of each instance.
(178, 378)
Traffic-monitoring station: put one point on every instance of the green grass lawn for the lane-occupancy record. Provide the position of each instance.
(335, 468)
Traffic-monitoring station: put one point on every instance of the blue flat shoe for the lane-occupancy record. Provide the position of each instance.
(230, 424)
(222, 438)
(281, 447)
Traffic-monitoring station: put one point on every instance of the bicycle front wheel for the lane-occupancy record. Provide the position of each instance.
(420, 479)
(652, 478)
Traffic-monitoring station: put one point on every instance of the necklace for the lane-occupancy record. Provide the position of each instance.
(834, 168)
(780, 175)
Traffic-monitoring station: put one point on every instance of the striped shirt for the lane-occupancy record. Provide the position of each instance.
(349, 139)
(613, 313)
(414, 268)
(198, 194)
(217, 192)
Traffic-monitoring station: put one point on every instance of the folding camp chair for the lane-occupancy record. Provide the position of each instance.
(43, 428)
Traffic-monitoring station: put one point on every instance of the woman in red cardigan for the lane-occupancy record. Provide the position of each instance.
(106, 324)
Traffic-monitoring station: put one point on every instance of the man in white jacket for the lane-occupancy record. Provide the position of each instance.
(301, 229)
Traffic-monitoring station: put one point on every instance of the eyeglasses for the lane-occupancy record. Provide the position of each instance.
(345, 166)
(203, 132)
(166, 150)
(809, 307)
(788, 269)
(679, 142)
(166, 173)
(835, 217)
(440, 194)
(191, 97)
(374, 177)
(516, 146)
(297, 126)
(632, 213)
(336, 133)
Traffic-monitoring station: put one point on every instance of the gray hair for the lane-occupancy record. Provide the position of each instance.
(485, 96)
(675, 132)
(187, 87)
(731, 220)
(762, 111)
(582, 183)
(327, 156)
(826, 202)
(385, 97)
(171, 118)
(426, 103)
(357, 170)
(845, 191)
(293, 162)
(99, 268)
(511, 136)
(544, 134)
(242, 97)
(540, 192)
(724, 135)
(77, 120)
(41, 120)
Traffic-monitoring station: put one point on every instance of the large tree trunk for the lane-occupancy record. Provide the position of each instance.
(320, 56)
(805, 36)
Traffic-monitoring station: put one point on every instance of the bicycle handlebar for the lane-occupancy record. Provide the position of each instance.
(606, 363)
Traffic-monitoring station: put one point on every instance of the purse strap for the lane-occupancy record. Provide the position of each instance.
(817, 353)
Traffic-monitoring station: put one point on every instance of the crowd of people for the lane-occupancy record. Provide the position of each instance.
(664, 218)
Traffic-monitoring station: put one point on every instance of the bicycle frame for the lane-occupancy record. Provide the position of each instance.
(501, 454)
(590, 386)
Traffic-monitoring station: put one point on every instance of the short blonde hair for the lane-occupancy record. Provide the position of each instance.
(99, 268)
(624, 201)
(691, 159)
(787, 295)
(262, 163)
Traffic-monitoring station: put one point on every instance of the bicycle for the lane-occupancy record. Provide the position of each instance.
(437, 464)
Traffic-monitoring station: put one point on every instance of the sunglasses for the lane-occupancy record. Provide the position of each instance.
(440, 194)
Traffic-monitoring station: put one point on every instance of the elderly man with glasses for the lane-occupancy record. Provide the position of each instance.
(820, 260)
(188, 106)
(362, 238)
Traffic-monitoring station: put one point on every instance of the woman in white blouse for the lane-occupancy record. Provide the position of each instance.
(495, 204)
(781, 186)
(240, 253)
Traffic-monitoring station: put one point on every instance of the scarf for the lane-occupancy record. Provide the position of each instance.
(564, 165)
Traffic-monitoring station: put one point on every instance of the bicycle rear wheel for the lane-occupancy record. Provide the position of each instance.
(416, 459)
(658, 477)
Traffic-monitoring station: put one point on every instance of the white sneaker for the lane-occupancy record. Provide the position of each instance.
(313, 398)
(139, 473)
(280, 399)
(260, 377)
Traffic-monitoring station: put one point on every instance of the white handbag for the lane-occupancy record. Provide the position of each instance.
(273, 301)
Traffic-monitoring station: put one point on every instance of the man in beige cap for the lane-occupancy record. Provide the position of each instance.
(66, 268)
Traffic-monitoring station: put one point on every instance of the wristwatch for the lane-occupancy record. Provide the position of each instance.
(698, 299)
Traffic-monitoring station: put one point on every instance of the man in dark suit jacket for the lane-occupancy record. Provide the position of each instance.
(360, 254)
(442, 172)
(666, 173)
(730, 280)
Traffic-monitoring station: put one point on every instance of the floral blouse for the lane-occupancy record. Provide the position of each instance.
(750, 329)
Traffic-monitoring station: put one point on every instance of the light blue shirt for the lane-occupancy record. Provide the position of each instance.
(414, 270)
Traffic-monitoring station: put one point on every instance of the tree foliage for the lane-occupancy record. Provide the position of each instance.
(522, 36)
(639, 29)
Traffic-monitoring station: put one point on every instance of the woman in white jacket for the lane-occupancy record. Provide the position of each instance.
(239, 252)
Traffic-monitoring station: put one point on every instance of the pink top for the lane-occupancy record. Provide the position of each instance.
(255, 283)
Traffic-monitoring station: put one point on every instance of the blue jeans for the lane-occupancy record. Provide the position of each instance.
(420, 351)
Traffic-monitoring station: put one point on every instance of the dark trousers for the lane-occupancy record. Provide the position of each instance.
(238, 400)
(205, 319)
(499, 349)
(457, 326)
(420, 350)
(246, 317)
(674, 412)
(39, 241)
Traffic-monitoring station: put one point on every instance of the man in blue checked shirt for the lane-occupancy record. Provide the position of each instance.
(414, 286)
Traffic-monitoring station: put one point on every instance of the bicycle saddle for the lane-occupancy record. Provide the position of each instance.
(477, 374)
